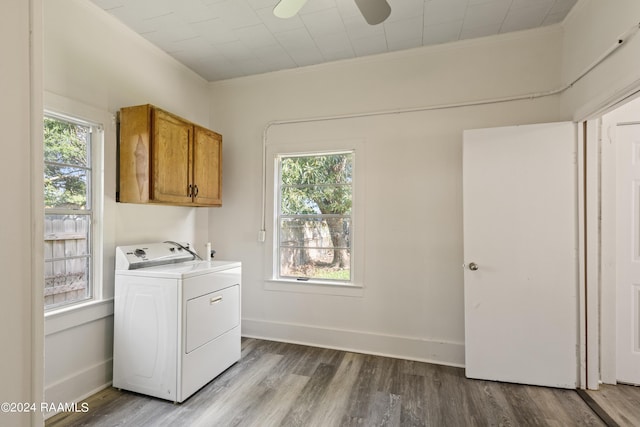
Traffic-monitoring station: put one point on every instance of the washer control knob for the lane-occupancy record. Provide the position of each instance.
(139, 252)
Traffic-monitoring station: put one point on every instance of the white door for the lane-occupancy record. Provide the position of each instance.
(628, 254)
(520, 252)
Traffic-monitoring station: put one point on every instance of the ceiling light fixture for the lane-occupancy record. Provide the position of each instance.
(373, 11)
(288, 8)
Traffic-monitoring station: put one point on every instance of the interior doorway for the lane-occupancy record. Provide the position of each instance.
(619, 149)
(627, 142)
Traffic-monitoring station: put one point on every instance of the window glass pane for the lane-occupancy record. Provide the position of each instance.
(67, 258)
(317, 169)
(315, 232)
(313, 264)
(66, 142)
(65, 187)
(66, 282)
(316, 199)
(67, 171)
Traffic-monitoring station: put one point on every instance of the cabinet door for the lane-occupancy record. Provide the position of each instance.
(207, 167)
(171, 153)
(135, 154)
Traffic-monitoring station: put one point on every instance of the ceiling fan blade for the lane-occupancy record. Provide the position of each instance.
(374, 11)
(288, 8)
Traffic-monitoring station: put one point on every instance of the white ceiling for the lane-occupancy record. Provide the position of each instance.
(222, 39)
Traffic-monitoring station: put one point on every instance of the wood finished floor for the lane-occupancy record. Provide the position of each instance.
(279, 384)
(620, 402)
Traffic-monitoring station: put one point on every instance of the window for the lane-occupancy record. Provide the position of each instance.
(70, 202)
(314, 217)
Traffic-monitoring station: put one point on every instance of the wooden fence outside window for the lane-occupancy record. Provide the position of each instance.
(67, 259)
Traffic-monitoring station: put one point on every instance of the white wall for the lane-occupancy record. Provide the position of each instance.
(21, 353)
(93, 66)
(412, 305)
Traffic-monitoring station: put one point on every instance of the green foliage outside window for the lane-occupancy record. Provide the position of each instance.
(66, 155)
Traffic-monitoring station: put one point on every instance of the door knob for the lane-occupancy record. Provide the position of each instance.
(473, 266)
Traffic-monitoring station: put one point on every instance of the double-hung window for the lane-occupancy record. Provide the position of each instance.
(70, 203)
(314, 223)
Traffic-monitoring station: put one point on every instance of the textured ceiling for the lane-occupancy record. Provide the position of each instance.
(222, 39)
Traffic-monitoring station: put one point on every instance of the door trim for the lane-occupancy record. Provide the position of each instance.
(589, 252)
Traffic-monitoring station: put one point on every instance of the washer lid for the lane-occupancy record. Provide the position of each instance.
(183, 270)
(151, 254)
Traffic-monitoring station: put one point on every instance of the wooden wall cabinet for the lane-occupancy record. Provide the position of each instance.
(167, 160)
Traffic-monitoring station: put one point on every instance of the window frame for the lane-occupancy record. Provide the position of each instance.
(281, 215)
(95, 200)
(275, 151)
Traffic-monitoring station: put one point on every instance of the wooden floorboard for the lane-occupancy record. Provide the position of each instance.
(280, 384)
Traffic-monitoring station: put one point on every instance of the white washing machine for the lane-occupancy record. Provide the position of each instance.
(176, 319)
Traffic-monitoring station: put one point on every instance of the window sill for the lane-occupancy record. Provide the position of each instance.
(314, 287)
(69, 317)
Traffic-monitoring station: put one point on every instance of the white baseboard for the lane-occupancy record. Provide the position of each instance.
(418, 349)
(80, 385)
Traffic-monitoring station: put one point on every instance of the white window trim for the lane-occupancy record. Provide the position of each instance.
(100, 305)
(272, 282)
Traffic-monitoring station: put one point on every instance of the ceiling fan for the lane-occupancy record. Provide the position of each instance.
(373, 11)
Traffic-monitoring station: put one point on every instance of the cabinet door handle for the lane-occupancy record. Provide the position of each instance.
(195, 187)
(189, 190)
(215, 300)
